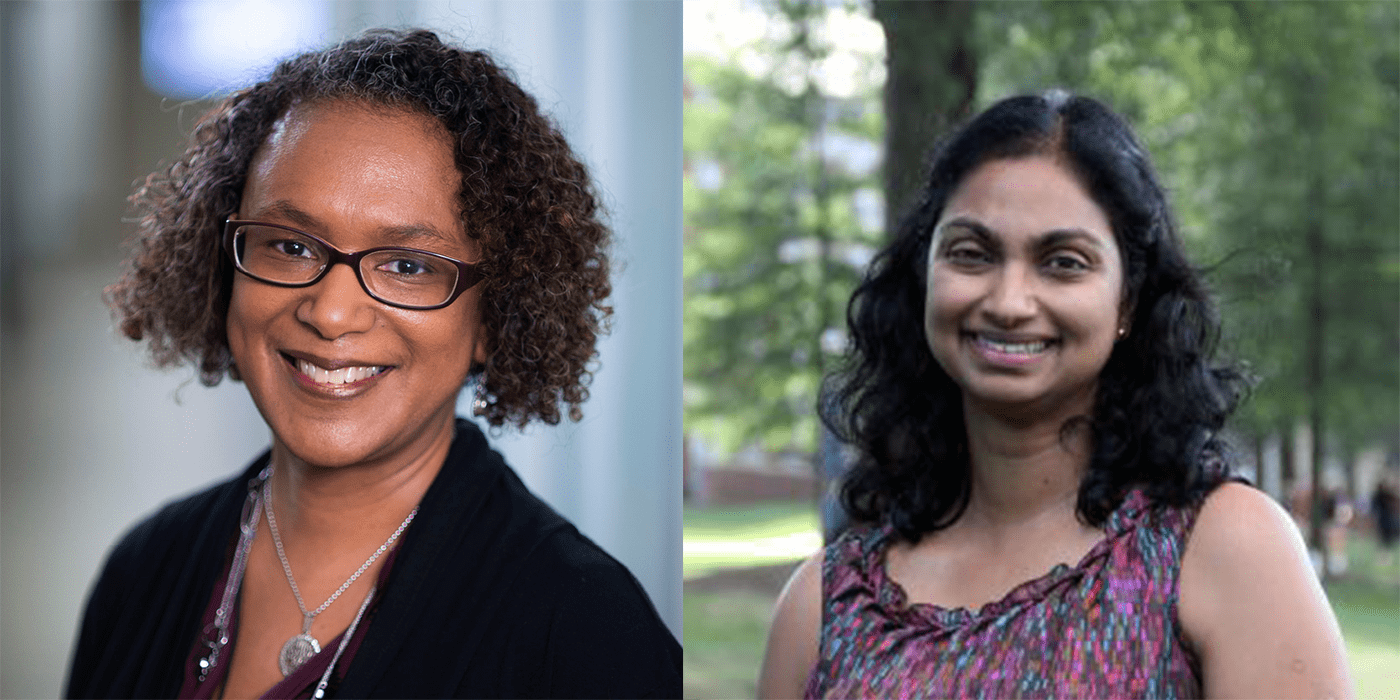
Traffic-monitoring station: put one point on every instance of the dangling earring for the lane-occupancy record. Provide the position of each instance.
(479, 404)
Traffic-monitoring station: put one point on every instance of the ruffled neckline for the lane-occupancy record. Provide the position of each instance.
(893, 601)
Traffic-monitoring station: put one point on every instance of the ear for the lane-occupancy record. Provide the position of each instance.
(1125, 319)
(1126, 307)
(479, 353)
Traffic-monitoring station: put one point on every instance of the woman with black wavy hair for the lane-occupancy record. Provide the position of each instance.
(1045, 500)
(356, 238)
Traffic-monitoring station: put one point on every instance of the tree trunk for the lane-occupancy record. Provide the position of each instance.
(1349, 455)
(1317, 331)
(930, 83)
(1285, 457)
(1261, 477)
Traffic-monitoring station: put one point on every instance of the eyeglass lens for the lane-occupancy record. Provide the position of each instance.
(397, 276)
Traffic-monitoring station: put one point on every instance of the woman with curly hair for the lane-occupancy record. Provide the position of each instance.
(1045, 501)
(355, 238)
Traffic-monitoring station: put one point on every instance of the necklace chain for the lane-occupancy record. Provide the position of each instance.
(287, 567)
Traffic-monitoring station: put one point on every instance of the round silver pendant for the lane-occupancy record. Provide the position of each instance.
(296, 652)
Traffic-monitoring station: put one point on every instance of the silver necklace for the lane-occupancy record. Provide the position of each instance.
(216, 633)
(344, 642)
(303, 646)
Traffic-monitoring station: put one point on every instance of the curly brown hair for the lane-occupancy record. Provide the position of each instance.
(528, 199)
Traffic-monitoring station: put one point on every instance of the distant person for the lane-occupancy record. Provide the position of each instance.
(1337, 514)
(356, 238)
(1045, 506)
(1385, 507)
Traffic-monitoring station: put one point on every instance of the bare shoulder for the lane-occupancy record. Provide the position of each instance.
(1251, 605)
(1235, 515)
(795, 633)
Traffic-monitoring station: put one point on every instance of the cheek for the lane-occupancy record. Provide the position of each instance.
(451, 338)
(237, 322)
(947, 298)
(1094, 315)
(251, 309)
(945, 302)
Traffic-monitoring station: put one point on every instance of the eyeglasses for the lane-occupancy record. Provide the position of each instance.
(402, 277)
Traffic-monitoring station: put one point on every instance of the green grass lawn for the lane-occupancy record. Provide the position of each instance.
(724, 638)
(1370, 618)
(1367, 604)
(727, 538)
(725, 631)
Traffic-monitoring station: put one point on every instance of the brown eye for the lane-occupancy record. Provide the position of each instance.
(291, 248)
(404, 267)
(968, 255)
(1066, 263)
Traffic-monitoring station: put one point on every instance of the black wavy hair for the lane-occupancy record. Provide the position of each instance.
(1161, 398)
(525, 197)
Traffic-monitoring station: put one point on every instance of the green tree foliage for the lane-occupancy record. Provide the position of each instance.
(1320, 190)
(775, 238)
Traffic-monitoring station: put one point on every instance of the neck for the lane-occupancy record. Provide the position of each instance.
(1023, 470)
(334, 503)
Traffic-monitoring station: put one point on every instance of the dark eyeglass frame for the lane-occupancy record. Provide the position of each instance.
(468, 274)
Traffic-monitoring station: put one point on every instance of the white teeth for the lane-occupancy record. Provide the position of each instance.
(344, 375)
(1015, 348)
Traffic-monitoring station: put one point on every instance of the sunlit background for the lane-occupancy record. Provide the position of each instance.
(97, 94)
(1276, 128)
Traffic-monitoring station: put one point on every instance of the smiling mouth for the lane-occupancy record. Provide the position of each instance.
(335, 377)
(1020, 348)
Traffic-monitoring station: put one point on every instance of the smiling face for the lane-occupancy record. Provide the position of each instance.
(340, 378)
(1025, 288)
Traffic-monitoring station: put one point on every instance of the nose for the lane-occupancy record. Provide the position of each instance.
(337, 305)
(1011, 300)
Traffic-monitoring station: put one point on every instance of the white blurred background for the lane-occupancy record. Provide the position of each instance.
(93, 97)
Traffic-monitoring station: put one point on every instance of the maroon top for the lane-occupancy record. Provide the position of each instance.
(1105, 628)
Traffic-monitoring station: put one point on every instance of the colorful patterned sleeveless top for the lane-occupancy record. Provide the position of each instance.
(1106, 628)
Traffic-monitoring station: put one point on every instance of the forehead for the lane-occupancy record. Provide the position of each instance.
(1024, 197)
(331, 127)
(351, 164)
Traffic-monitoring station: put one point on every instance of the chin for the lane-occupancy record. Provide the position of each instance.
(1031, 403)
(330, 443)
(330, 451)
(1011, 401)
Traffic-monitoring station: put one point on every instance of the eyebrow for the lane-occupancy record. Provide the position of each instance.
(409, 233)
(1045, 239)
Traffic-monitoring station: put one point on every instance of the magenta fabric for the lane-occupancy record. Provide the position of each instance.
(1106, 628)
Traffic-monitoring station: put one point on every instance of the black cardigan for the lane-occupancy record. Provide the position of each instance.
(492, 594)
